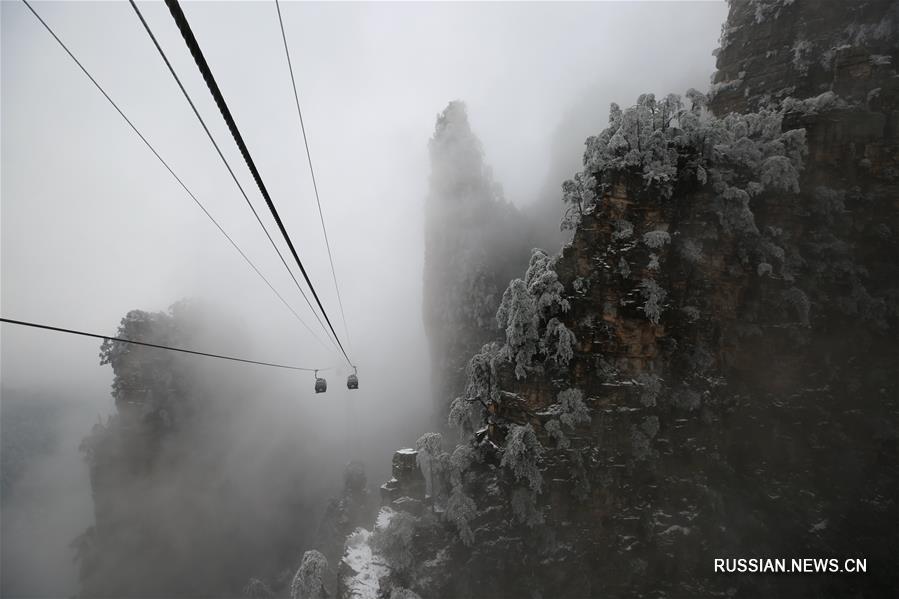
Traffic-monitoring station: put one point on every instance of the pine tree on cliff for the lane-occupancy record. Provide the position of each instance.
(475, 242)
(148, 382)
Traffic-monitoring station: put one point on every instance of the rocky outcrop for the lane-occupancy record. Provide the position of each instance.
(365, 571)
(405, 491)
(732, 303)
(180, 509)
(355, 507)
(473, 245)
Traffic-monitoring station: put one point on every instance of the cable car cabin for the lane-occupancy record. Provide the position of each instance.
(352, 381)
(321, 385)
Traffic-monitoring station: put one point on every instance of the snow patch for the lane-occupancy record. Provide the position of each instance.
(367, 567)
(676, 528)
(822, 525)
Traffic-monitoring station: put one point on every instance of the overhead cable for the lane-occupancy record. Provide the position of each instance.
(169, 168)
(154, 345)
(203, 66)
(222, 156)
(321, 216)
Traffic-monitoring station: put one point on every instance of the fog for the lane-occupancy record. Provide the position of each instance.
(93, 226)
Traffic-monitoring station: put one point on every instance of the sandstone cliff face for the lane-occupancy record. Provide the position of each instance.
(774, 49)
(741, 380)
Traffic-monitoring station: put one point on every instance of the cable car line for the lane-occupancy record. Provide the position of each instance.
(170, 170)
(155, 345)
(321, 216)
(225, 161)
(203, 66)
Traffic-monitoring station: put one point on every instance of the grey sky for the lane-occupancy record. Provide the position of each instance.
(92, 226)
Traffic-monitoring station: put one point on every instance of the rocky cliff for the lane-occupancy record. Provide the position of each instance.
(473, 246)
(709, 369)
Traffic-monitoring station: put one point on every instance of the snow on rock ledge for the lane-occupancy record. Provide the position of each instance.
(361, 569)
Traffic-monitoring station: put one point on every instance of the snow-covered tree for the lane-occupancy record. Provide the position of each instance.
(579, 196)
(554, 429)
(639, 138)
(465, 415)
(460, 508)
(394, 542)
(459, 462)
(656, 239)
(558, 342)
(529, 305)
(481, 373)
(543, 283)
(573, 410)
(522, 454)
(740, 155)
(569, 412)
(467, 412)
(518, 315)
(653, 296)
(734, 212)
(429, 450)
(623, 229)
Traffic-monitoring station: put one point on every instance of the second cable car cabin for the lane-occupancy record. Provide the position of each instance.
(352, 381)
(321, 385)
